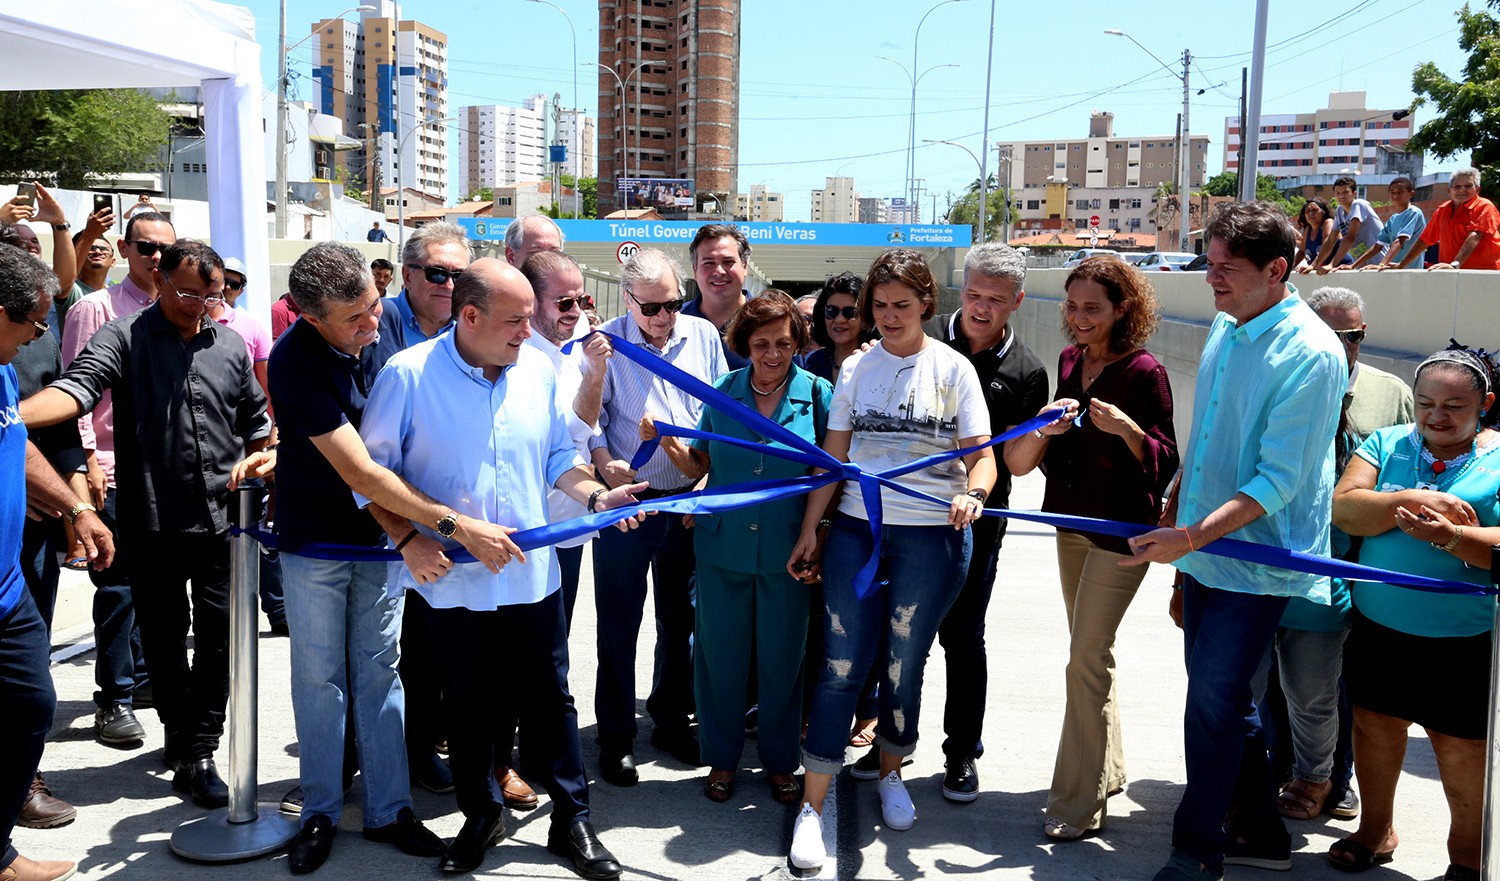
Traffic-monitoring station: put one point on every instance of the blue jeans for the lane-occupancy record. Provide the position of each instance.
(921, 573)
(119, 660)
(1226, 634)
(345, 646)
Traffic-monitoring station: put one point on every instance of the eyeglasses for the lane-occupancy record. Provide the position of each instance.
(1352, 337)
(38, 327)
(196, 298)
(650, 310)
(565, 304)
(233, 285)
(438, 274)
(833, 312)
(145, 248)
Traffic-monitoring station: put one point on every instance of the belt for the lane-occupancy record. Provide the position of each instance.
(646, 494)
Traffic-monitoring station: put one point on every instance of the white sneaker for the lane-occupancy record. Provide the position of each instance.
(807, 840)
(895, 803)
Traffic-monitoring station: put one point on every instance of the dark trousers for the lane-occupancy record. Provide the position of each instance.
(181, 582)
(962, 638)
(41, 540)
(665, 547)
(1226, 634)
(119, 661)
(420, 682)
(27, 702)
(511, 662)
(272, 598)
(570, 561)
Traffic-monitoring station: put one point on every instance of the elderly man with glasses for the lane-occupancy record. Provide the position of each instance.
(193, 424)
(652, 287)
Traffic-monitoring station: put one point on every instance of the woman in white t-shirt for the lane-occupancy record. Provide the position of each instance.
(906, 398)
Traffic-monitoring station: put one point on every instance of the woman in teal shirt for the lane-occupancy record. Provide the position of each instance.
(1424, 496)
(748, 605)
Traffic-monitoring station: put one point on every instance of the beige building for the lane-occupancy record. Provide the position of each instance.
(678, 115)
(1345, 136)
(837, 202)
(356, 63)
(760, 205)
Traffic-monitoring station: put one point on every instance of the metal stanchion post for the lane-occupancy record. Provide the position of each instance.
(245, 829)
(1491, 859)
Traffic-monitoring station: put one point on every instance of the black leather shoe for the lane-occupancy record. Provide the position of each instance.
(312, 845)
(201, 778)
(431, 773)
(579, 844)
(960, 780)
(681, 744)
(466, 853)
(409, 835)
(617, 768)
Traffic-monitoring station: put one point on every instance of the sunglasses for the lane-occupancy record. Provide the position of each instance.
(100, 249)
(1352, 337)
(438, 274)
(234, 285)
(650, 310)
(565, 304)
(145, 248)
(38, 328)
(833, 312)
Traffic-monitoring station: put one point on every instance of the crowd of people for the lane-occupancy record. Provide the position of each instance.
(477, 401)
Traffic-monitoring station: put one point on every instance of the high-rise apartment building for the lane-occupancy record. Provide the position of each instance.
(677, 114)
(760, 205)
(384, 76)
(874, 211)
(837, 202)
(499, 146)
(1345, 135)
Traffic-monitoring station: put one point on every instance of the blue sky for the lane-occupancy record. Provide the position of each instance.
(816, 101)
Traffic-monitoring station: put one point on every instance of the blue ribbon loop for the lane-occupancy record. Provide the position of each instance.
(785, 444)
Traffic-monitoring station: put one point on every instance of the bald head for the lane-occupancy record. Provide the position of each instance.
(531, 235)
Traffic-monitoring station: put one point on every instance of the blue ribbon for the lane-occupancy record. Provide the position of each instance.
(788, 445)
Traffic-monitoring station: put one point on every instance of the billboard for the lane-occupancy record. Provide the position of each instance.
(655, 192)
(650, 232)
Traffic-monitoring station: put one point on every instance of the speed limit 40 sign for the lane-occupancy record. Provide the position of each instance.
(626, 251)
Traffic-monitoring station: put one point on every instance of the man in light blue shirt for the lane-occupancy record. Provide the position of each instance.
(652, 287)
(473, 414)
(432, 260)
(1258, 467)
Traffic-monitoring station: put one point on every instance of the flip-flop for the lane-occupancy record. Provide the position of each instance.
(77, 564)
(1360, 858)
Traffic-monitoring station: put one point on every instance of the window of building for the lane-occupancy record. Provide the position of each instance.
(1033, 204)
(1094, 203)
(1135, 203)
(1114, 204)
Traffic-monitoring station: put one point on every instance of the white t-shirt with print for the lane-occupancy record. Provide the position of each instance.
(900, 410)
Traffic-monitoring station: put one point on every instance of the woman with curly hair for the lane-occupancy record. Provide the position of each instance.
(1110, 456)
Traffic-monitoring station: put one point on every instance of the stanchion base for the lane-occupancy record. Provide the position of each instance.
(213, 839)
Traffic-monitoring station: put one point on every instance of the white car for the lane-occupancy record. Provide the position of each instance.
(1085, 253)
(1165, 261)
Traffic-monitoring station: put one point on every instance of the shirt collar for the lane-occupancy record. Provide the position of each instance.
(409, 318)
(135, 292)
(956, 332)
(1268, 319)
(799, 388)
(634, 334)
(447, 342)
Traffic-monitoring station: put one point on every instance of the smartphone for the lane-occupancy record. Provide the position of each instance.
(27, 193)
(103, 202)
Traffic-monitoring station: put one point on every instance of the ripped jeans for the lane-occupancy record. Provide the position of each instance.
(921, 573)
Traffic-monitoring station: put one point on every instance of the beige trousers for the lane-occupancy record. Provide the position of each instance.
(1090, 760)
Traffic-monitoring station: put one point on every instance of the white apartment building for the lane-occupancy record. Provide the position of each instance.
(837, 202)
(760, 205)
(499, 146)
(1344, 136)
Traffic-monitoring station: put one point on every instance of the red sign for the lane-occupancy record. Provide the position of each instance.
(1093, 220)
(626, 251)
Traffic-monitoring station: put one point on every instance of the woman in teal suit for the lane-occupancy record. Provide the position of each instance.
(748, 606)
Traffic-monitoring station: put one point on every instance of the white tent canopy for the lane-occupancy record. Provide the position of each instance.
(163, 43)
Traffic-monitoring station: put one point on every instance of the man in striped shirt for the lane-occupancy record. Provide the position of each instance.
(651, 284)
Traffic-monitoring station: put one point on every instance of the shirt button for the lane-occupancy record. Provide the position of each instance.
(754, 527)
(757, 471)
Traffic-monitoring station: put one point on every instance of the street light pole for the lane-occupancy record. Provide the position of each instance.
(911, 167)
(1184, 161)
(400, 190)
(624, 122)
(1002, 159)
(984, 142)
(577, 169)
(980, 165)
(911, 127)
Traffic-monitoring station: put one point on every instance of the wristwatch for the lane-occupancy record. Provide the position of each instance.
(979, 494)
(448, 525)
(594, 498)
(78, 509)
(61, 227)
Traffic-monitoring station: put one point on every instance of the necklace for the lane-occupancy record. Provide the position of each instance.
(1459, 464)
(779, 387)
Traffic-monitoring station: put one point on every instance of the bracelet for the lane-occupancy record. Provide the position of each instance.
(409, 536)
(61, 227)
(1187, 535)
(824, 523)
(1038, 433)
(594, 498)
(1458, 536)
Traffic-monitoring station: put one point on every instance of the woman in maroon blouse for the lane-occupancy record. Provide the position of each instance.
(1110, 456)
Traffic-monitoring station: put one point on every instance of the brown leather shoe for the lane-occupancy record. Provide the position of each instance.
(518, 796)
(22, 869)
(42, 810)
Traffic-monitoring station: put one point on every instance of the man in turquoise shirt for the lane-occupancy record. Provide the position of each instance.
(1259, 467)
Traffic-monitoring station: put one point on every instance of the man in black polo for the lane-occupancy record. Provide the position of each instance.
(190, 423)
(1015, 389)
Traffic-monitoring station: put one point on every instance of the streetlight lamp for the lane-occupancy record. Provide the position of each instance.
(624, 122)
(982, 182)
(401, 171)
(1184, 162)
(576, 168)
(911, 127)
(281, 111)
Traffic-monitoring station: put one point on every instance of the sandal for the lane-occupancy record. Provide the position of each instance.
(1355, 857)
(1301, 800)
(720, 786)
(863, 733)
(1062, 830)
(784, 789)
(77, 564)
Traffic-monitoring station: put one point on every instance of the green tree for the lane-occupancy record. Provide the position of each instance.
(1469, 108)
(1228, 184)
(588, 188)
(965, 209)
(65, 137)
(483, 194)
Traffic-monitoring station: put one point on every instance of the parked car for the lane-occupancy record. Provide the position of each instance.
(1199, 264)
(1085, 253)
(1166, 261)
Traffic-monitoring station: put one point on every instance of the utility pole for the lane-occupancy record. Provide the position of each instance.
(1252, 103)
(984, 143)
(1244, 84)
(1002, 163)
(918, 188)
(1185, 240)
(280, 225)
